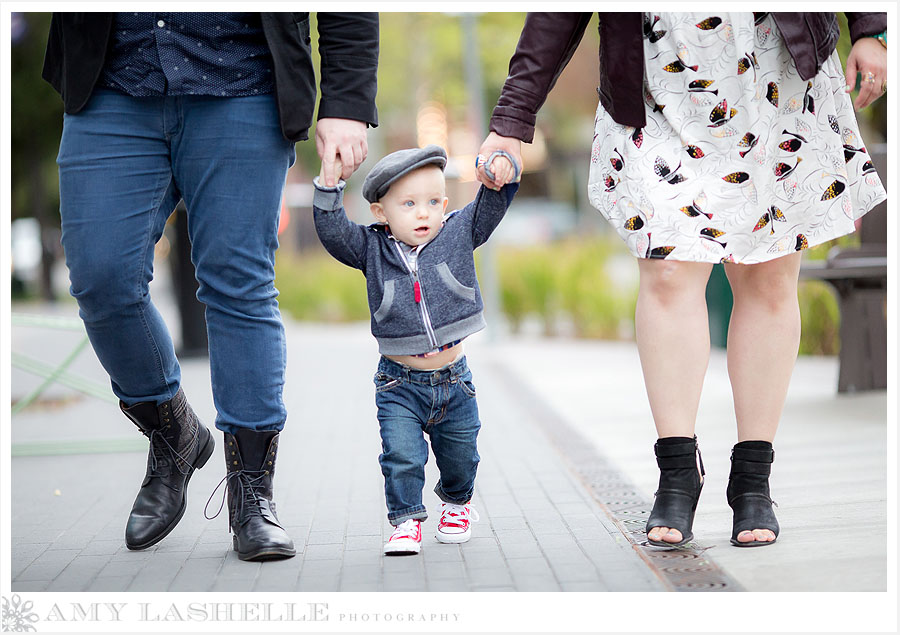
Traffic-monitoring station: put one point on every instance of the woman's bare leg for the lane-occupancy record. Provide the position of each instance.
(763, 339)
(672, 332)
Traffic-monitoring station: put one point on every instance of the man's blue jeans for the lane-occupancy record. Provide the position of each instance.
(439, 403)
(124, 163)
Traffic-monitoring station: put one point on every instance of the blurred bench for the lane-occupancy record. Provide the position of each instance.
(859, 275)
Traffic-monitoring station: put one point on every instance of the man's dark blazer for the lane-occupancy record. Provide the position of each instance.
(348, 47)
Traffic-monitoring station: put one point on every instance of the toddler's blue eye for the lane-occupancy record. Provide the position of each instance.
(434, 201)
(409, 203)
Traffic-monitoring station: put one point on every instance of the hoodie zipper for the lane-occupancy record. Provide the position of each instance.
(419, 298)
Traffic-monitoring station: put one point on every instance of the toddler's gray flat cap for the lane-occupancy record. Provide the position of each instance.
(396, 164)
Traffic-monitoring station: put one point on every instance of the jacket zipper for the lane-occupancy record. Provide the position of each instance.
(420, 299)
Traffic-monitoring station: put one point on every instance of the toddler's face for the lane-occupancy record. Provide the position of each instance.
(414, 205)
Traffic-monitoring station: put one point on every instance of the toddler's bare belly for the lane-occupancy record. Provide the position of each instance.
(432, 362)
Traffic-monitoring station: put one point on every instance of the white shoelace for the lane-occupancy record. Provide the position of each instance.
(453, 514)
(406, 529)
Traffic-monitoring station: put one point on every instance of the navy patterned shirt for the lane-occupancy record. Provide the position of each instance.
(222, 54)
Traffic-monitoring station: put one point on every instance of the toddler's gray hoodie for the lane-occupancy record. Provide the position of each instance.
(416, 311)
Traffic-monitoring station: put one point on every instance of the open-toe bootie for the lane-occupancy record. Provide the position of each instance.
(680, 482)
(748, 491)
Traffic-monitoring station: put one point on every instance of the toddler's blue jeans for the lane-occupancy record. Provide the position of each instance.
(412, 403)
(124, 163)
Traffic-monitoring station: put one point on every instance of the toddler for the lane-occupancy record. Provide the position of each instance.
(424, 300)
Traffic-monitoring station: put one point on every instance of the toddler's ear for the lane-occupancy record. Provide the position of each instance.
(378, 212)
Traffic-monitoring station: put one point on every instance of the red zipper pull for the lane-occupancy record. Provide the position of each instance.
(417, 292)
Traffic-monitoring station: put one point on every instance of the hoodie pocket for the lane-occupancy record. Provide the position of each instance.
(387, 300)
(454, 285)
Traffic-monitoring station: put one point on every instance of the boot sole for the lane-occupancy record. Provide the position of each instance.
(205, 453)
(262, 556)
(662, 543)
(266, 553)
(753, 543)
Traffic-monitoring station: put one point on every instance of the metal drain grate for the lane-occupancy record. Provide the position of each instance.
(683, 569)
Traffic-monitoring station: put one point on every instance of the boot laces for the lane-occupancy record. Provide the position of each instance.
(158, 445)
(251, 497)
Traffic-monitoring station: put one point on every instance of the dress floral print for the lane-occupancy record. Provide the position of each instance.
(741, 160)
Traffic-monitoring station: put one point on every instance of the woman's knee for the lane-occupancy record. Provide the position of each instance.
(772, 287)
(668, 282)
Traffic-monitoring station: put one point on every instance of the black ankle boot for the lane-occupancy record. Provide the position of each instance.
(250, 461)
(679, 488)
(748, 491)
(179, 444)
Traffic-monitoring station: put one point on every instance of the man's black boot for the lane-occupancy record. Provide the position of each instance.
(250, 461)
(179, 444)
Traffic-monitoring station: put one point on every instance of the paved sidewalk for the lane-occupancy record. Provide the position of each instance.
(540, 528)
(565, 483)
(829, 477)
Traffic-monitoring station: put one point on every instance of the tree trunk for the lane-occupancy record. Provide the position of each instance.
(49, 227)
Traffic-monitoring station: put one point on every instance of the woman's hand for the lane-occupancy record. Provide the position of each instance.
(868, 57)
(495, 142)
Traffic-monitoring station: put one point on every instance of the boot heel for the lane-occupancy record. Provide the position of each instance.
(207, 450)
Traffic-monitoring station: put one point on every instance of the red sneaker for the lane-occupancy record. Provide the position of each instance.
(406, 539)
(454, 524)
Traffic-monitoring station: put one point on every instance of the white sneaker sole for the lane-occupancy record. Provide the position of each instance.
(452, 539)
(402, 548)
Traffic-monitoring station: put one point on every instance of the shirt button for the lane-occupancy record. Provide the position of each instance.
(160, 24)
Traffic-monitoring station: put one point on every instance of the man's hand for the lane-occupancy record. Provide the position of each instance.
(869, 58)
(344, 138)
(496, 142)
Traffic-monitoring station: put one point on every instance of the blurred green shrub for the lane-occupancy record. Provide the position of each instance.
(598, 305)
(528, 279)
(316, 287)
(820, 319)
(566, 280)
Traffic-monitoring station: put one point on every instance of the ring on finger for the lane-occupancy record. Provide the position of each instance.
(884, 86)
(869, 77)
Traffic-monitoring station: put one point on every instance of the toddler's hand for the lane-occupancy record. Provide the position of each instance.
(498, 168)
(338, 166)
(493, 143)
(503, 170)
